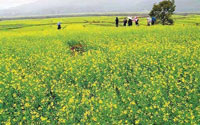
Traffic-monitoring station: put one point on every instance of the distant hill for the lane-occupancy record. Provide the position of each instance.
(49, 7)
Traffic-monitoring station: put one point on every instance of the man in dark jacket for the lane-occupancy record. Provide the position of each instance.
(130, 22)
(117, 21)
(59, 25)
(153, 20)
(125, 21)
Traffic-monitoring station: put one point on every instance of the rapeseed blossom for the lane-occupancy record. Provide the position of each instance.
(135, 75)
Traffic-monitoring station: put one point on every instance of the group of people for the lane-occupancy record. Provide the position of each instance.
(130, 20)
(151, 21)
(127, 20)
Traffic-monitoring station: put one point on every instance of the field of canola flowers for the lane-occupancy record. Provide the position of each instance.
(93, 73)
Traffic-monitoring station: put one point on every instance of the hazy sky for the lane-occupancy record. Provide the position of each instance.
(4, 4)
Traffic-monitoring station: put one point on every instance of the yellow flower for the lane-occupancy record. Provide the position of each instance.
(1, 111)
(115, 105)
(166, 104)
(165, 119)
(43, 118)
(94, 84)
(27, 105)
(125, 112)
(183, 80)
(133, 103)
(37, 115)
(120, 122)
(24, 118)
(14, 95)
(71, 100)
(8, 122)
(14, 105)
(27, 99)
(94, 119)
(137, 121)
(100, 101)
(175, 119)
(62, 120)
(33, 117)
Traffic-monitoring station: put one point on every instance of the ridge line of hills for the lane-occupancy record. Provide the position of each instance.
(69, 7)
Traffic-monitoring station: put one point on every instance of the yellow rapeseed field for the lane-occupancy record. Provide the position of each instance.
(91, 72)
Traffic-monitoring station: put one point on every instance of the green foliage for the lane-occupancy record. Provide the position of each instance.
(163, 11)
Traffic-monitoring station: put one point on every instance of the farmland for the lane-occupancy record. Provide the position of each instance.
(91, 72)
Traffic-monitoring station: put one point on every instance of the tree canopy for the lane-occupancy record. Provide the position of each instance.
(163, 11)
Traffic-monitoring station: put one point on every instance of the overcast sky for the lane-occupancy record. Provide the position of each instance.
(4, 4)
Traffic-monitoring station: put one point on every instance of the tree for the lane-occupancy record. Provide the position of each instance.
(163, 11)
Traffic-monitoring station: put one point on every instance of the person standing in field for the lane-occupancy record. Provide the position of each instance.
(125, 21)
(117, 21)
(130, 21)
(149, 21)
(153, 20)
(136, 21)
(59, 25)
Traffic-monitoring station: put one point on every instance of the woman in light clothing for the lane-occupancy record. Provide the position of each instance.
(149, 21)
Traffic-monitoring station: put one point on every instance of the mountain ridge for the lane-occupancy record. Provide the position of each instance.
(48, 7)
